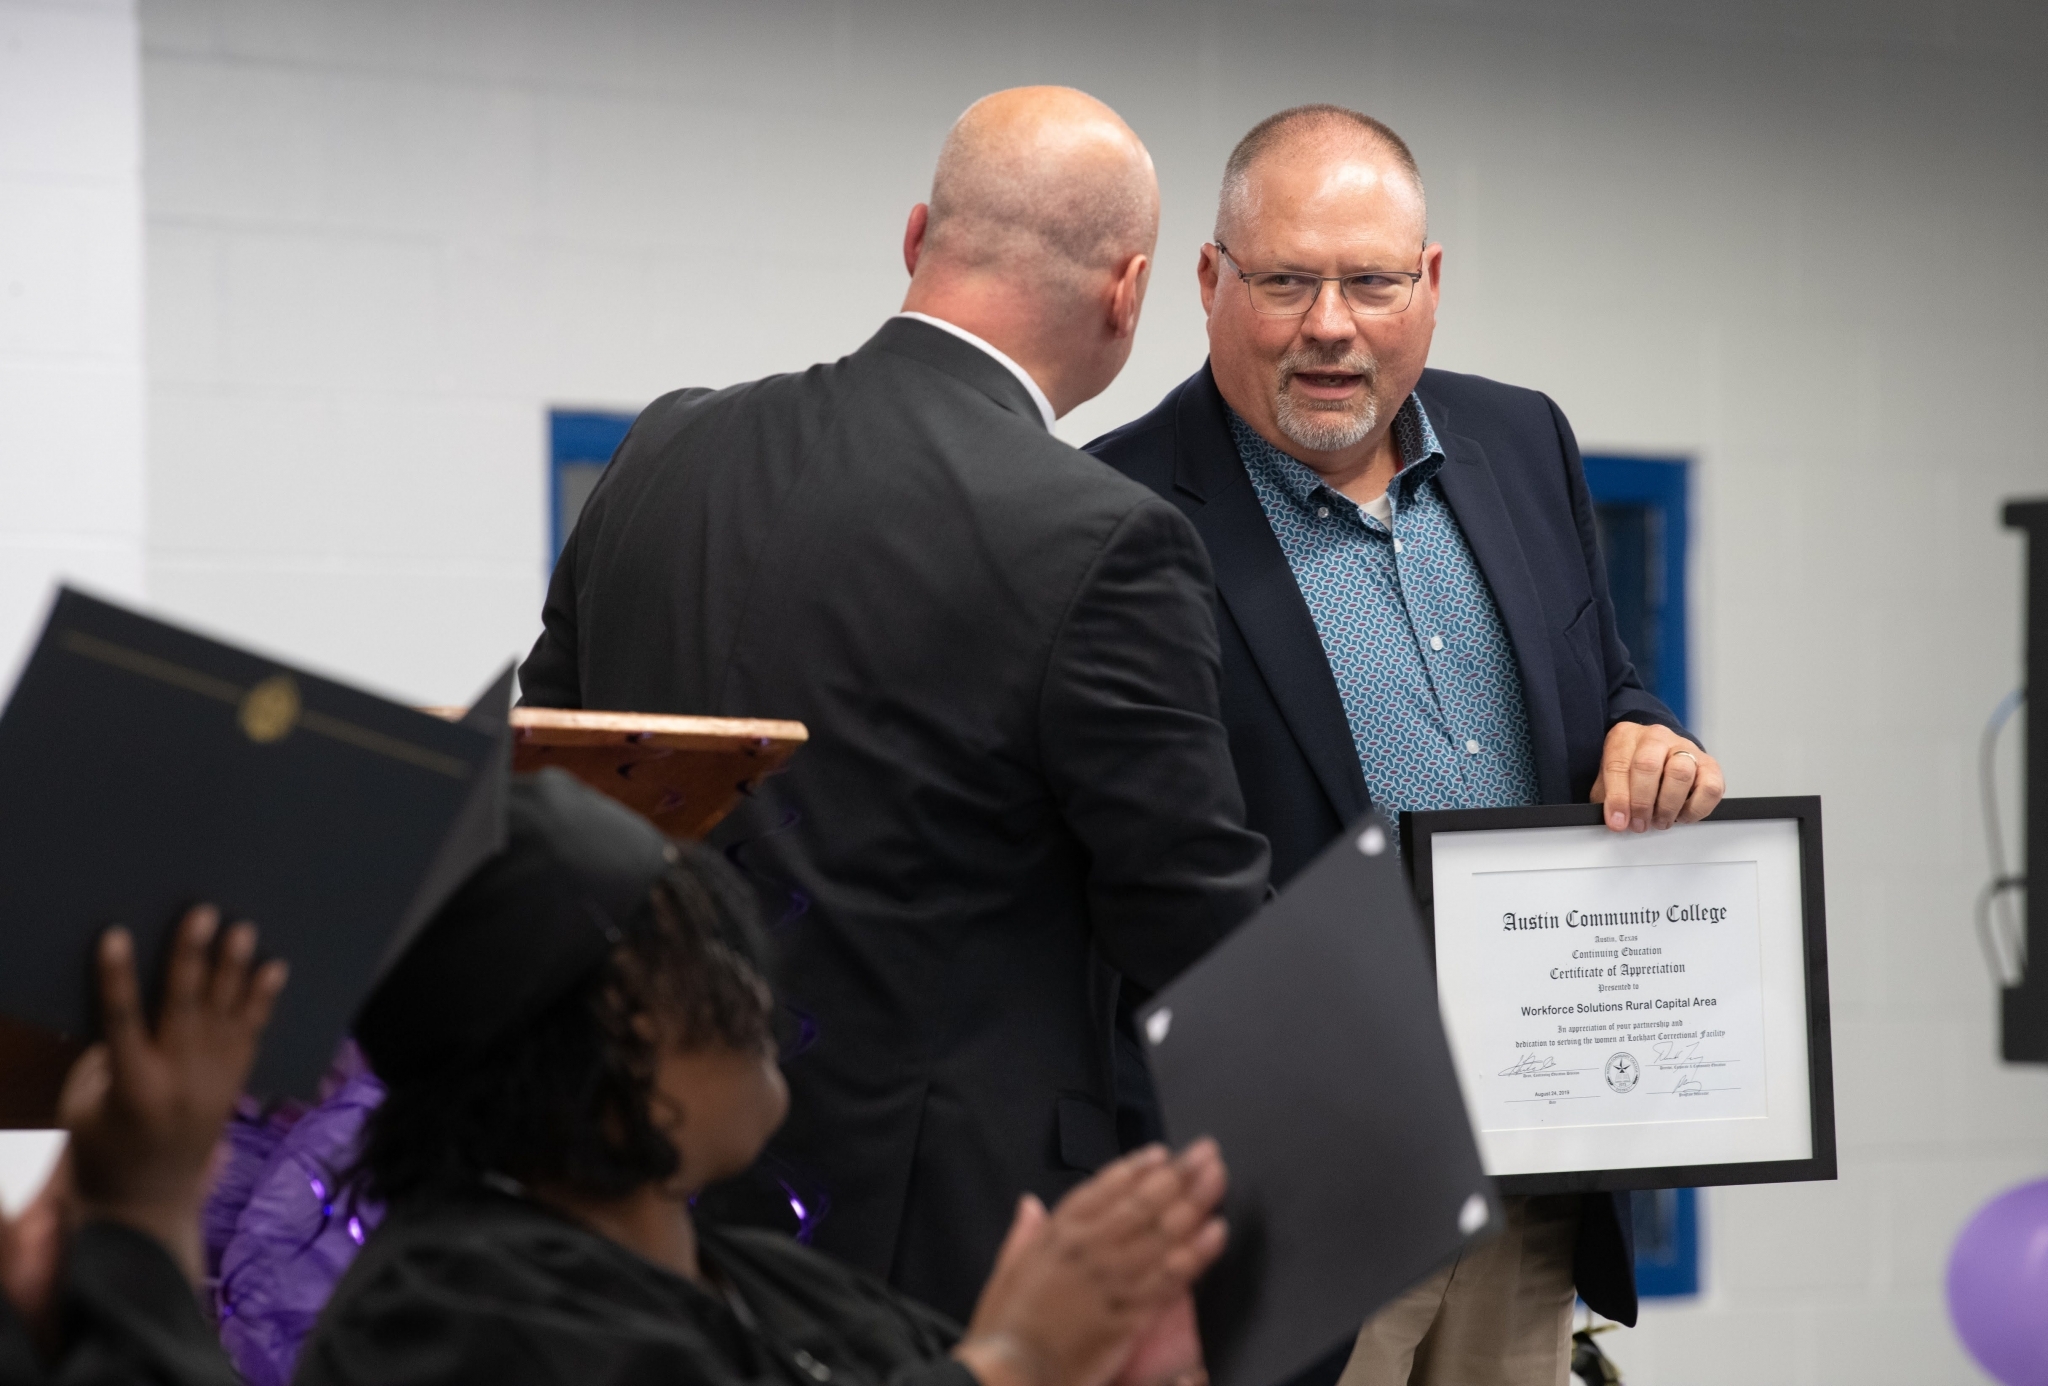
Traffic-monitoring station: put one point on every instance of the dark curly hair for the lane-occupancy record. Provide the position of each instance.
(565, 1100)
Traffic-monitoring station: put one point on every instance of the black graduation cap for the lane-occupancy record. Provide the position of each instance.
(147, 769)
(531, 924)
(1308, 1044)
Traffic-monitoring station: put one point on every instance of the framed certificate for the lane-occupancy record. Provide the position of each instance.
(1634, 1010)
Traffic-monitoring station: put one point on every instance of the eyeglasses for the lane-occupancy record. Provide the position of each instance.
(1289, 293)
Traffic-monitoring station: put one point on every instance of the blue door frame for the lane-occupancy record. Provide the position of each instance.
(580, 443)
(1640, 504)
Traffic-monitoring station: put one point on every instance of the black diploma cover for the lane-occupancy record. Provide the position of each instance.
(148, 769)
(1308, 1044)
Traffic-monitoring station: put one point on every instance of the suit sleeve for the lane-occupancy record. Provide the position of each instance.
(128, 1317)
(1627, 699)
(1137, 755)
(549, 677)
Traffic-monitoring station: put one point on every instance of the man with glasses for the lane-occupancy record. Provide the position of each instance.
(1414, 615)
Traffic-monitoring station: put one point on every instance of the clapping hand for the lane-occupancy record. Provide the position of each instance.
(31, 1247)
(1096, 1291)
(1169, 1353)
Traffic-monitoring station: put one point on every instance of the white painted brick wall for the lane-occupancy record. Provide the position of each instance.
(71, 389)
(71, 484)
(1799, 242)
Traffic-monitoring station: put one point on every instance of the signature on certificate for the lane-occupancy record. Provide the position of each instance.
(1674, 1054)
(1530, 1065)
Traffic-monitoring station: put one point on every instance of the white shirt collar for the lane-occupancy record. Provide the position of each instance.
(1037, 395)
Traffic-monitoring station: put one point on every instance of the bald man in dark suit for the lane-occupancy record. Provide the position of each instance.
(1017, 802)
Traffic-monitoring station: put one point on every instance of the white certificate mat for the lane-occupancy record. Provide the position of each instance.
(1631, 1002)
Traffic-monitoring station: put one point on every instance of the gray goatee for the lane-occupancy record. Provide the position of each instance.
(1327, 426)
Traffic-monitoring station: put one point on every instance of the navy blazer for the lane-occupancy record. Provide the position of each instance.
(1513, 479)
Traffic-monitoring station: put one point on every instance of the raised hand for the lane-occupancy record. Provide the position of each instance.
(145, 1110)
(1075, 1291)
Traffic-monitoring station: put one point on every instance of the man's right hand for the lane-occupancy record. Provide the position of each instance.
(145, 1110)
(1074, 1291)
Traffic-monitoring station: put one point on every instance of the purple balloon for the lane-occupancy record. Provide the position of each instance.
(1998, 1286)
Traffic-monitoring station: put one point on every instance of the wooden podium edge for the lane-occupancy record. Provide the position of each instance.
(638, 739)
(577, 727)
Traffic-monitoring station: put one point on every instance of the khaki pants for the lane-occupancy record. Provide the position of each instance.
(1499, 1315)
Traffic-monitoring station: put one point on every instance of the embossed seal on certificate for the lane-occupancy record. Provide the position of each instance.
(1623, 1071)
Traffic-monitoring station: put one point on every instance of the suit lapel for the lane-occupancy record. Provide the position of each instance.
(1255, 583)
(1475, 499)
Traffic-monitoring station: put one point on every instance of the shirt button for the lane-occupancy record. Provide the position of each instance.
(1397, 546)
(1471, 748)
(1436, 642)
(1322, 512)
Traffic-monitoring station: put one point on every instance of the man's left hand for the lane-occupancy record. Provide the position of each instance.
(1651, 777)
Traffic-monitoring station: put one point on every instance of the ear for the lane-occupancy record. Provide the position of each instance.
(1208, 269)
(1127, 296)
(913, 236)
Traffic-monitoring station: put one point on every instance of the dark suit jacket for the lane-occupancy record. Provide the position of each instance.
(1017, 787)
(1513, 478)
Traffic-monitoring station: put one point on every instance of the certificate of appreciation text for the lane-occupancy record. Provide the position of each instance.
(1619, 994)
(1625, 1000)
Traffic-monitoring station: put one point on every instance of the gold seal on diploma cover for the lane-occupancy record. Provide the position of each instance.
(270, 710)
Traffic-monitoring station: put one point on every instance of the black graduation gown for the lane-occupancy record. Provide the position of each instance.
(498, 1289)
(126, 1317)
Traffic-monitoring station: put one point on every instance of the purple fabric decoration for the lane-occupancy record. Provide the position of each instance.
(297, 1231)
(251, 1137)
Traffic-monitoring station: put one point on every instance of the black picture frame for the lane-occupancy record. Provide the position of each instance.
(1417, 833)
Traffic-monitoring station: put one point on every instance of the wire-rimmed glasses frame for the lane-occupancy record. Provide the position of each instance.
(1293, 293)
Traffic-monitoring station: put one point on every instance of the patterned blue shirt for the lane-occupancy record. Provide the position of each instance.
(1421, 659)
